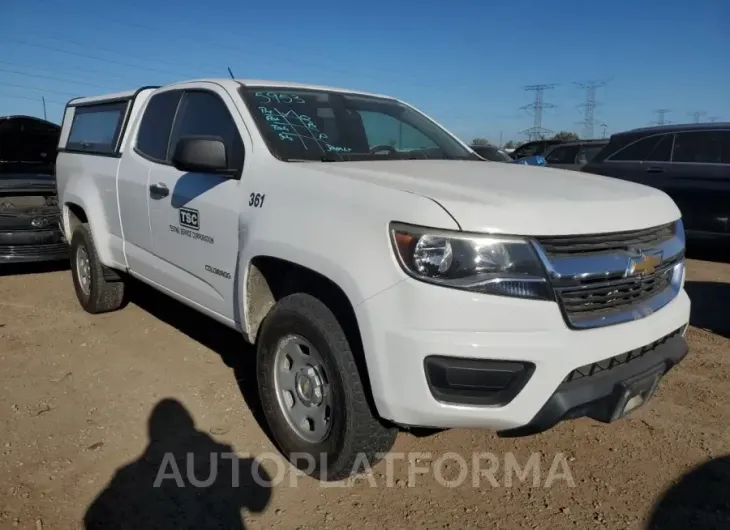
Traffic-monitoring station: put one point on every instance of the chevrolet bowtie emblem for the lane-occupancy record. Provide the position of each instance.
(644, 264)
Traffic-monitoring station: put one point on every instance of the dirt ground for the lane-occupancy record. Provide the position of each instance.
(89, 405)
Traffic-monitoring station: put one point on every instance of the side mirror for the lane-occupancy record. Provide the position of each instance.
(200, 154)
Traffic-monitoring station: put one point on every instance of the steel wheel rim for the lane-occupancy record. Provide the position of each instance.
(83, 270)
(302, 388)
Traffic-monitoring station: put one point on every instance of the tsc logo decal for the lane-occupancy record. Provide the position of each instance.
(190, 218)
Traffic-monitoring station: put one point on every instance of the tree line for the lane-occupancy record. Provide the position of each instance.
(566, 136)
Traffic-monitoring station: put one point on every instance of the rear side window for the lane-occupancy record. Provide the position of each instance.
(588, 153)
(563, 155)
(96, 128)
(153, 138)
(637, 151)
(204, 114)
(662, 151)
(702, 147)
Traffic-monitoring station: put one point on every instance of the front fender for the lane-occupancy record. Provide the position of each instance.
(341, 234)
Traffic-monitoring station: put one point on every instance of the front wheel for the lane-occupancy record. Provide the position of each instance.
(313, 397)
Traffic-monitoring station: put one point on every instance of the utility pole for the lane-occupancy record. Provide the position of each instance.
(661, 117)
(43, 98)
(604, 126)
(697, 115)
(537, 131)
(589, 107)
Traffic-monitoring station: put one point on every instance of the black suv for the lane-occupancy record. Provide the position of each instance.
(29, 212)
(691, 163)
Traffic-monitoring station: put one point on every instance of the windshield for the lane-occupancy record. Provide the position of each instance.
(319, 125)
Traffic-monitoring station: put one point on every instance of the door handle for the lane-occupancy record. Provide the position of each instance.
(655, 169)
(159, 190)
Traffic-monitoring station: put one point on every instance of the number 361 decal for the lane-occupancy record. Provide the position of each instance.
(256, 200)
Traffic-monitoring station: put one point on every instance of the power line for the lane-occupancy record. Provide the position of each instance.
(97, 58)
(67, 68)
(52, 91)
(537, 107)
(185, 34)
(54, 78)
(589, 107)
(38, 99)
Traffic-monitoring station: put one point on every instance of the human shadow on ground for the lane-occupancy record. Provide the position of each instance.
(698, 501)
(183, 480)
(710, 303)
(235, 352)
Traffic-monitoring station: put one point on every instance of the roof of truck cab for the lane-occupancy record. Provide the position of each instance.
(233, 84)
(227, 83)
(126, 94)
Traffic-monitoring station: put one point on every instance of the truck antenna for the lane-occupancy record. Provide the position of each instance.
(230, 73)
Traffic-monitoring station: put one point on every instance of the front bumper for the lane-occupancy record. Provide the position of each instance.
(27, 246)
(411, 322)
(603, 393)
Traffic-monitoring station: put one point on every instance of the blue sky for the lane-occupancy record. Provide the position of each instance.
(464, 63)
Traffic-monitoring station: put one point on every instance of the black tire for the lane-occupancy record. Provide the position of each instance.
(106, 292)
(355, 433)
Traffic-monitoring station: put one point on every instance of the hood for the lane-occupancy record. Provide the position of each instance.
(519, 199)
(24, 182)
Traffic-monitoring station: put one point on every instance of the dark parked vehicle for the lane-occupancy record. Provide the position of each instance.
(573, 155)
(491, 153)
(536, 147)
(691, 163)
(29, 212)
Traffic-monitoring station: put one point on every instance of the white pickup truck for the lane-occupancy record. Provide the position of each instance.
(388, 276)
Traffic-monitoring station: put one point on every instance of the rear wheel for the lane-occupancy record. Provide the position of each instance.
(98, 288)
(312, 394)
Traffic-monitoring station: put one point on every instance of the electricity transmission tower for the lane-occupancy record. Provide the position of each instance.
(537, 131)
(697, 115)
(589, 107)
(712, 119)
(603, 126)
(661, 117)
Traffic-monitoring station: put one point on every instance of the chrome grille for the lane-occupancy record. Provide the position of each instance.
(557, 246)
(613, 295)
(593, 279)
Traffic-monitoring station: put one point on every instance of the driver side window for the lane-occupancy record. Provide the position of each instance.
(383, 129)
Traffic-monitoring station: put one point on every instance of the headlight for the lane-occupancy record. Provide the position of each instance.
(485, 264)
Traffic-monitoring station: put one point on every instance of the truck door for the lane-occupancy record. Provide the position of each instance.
(194, 217)
(150, 148)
